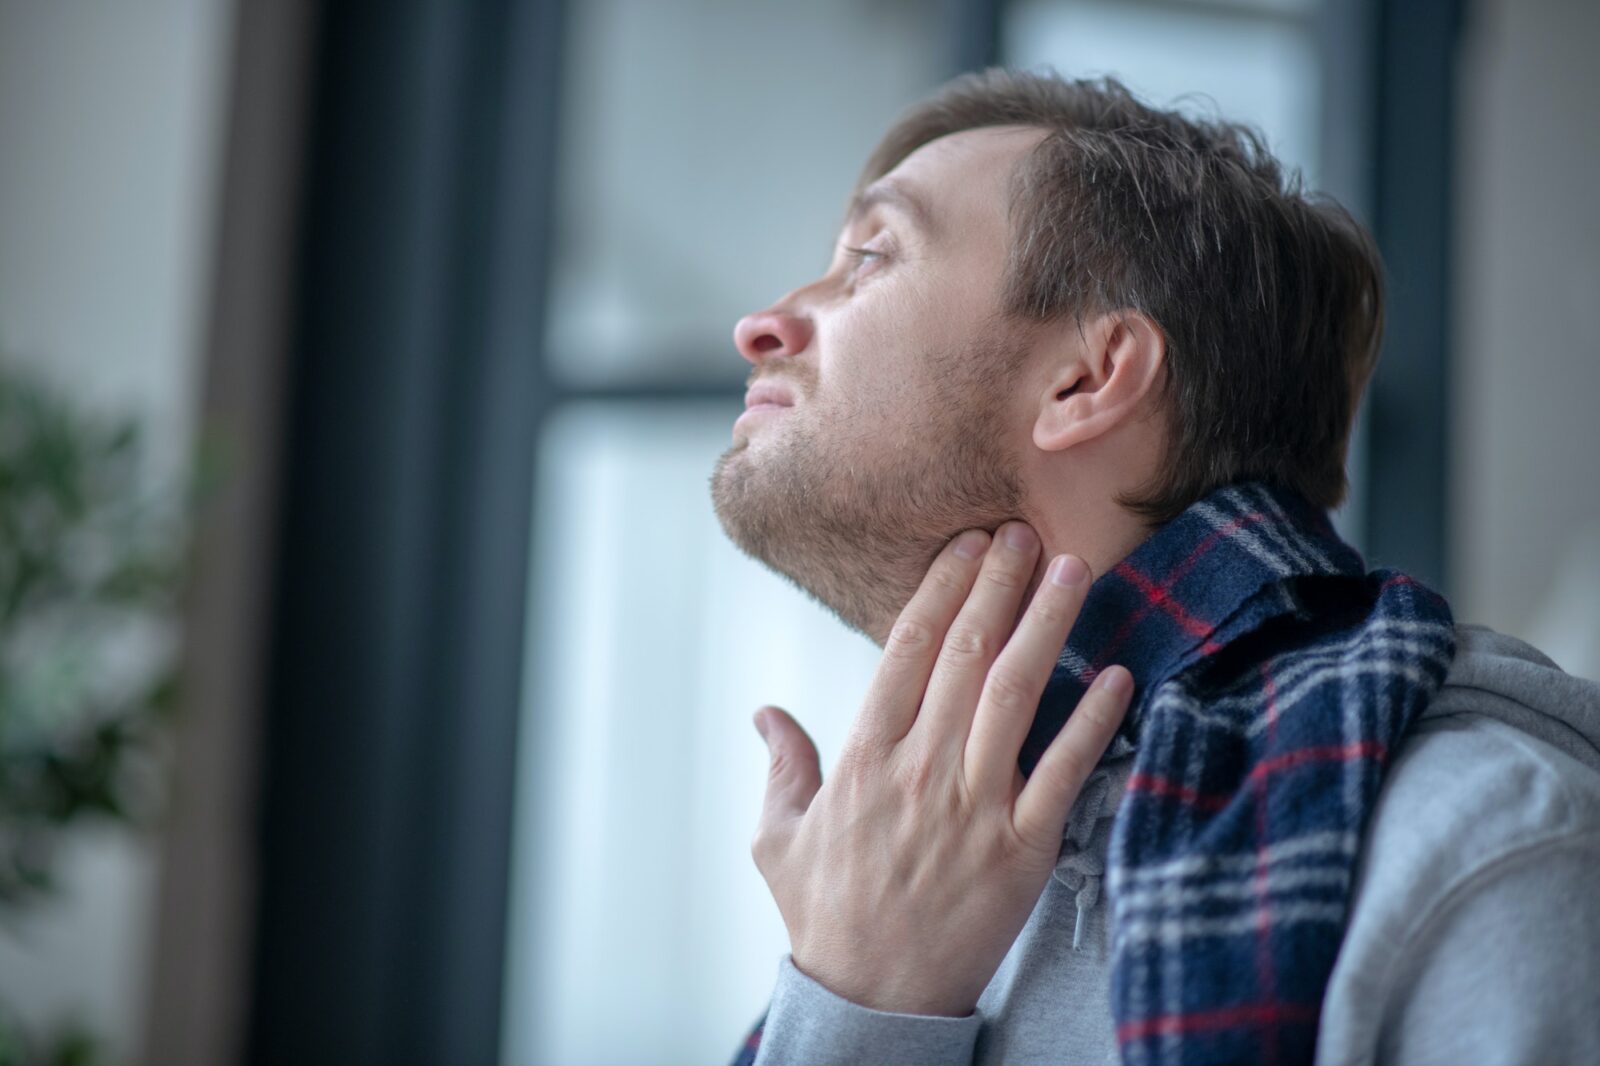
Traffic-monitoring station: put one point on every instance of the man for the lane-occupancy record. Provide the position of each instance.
(1330, 823)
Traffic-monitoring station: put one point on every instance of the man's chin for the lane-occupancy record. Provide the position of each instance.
(763, 525)
(857, 541)
(736, 503)
(734, 469)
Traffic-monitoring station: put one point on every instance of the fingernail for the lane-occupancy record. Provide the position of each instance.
(970, 544)
(1018, 536)
(1114, 681)
(761, 724)
(1068, 570)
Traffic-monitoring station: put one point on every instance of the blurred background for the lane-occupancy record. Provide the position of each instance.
(375, 678)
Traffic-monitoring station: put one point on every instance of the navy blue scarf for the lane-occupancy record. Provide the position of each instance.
(1274, 677)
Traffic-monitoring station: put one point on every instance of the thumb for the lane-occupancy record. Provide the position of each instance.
(794, 774)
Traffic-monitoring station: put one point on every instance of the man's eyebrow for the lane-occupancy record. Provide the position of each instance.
(888, 192)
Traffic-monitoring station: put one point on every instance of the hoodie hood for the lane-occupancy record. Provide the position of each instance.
(1505, 678)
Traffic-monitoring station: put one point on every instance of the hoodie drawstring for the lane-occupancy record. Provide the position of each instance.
(1080, 868)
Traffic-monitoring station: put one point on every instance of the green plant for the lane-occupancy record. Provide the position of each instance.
(89, 585)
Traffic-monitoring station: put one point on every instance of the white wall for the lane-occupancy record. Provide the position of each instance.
(1527, 381)
(109, 114)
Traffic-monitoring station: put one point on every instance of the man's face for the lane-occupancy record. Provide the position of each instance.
(891, 421)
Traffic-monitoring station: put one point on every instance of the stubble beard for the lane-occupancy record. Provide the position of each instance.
(855, 518)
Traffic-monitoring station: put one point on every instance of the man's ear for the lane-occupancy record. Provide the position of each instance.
(1106, 366)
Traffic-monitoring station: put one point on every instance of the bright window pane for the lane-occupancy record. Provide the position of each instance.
(707, 152)
(643, 933)
(1255, 68)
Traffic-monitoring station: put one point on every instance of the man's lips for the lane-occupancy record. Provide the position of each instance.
(767, 394)
(763, 400)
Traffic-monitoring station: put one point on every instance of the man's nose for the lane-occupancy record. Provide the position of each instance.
(770, 333)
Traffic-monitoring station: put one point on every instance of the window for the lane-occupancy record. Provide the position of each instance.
(707, 150)
(707, 153)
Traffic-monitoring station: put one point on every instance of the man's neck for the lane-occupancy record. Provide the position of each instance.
(1102, 534)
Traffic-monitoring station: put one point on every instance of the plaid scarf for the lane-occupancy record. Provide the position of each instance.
(1273, 678)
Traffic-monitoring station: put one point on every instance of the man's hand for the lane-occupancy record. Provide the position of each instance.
(906, 878)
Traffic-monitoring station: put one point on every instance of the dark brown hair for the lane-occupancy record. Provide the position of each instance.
(1270, 299)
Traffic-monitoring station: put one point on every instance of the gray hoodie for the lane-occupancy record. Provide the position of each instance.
(1474, 927)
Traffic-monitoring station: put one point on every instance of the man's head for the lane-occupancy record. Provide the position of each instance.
(1048, 302)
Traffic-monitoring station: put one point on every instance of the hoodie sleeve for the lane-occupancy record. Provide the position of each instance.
(1506, 969)
(809, 1024)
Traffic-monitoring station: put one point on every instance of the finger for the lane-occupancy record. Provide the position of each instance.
(1017, 679)
(913, 644)
(1041, 810)
(976, 636)
(794, 773)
